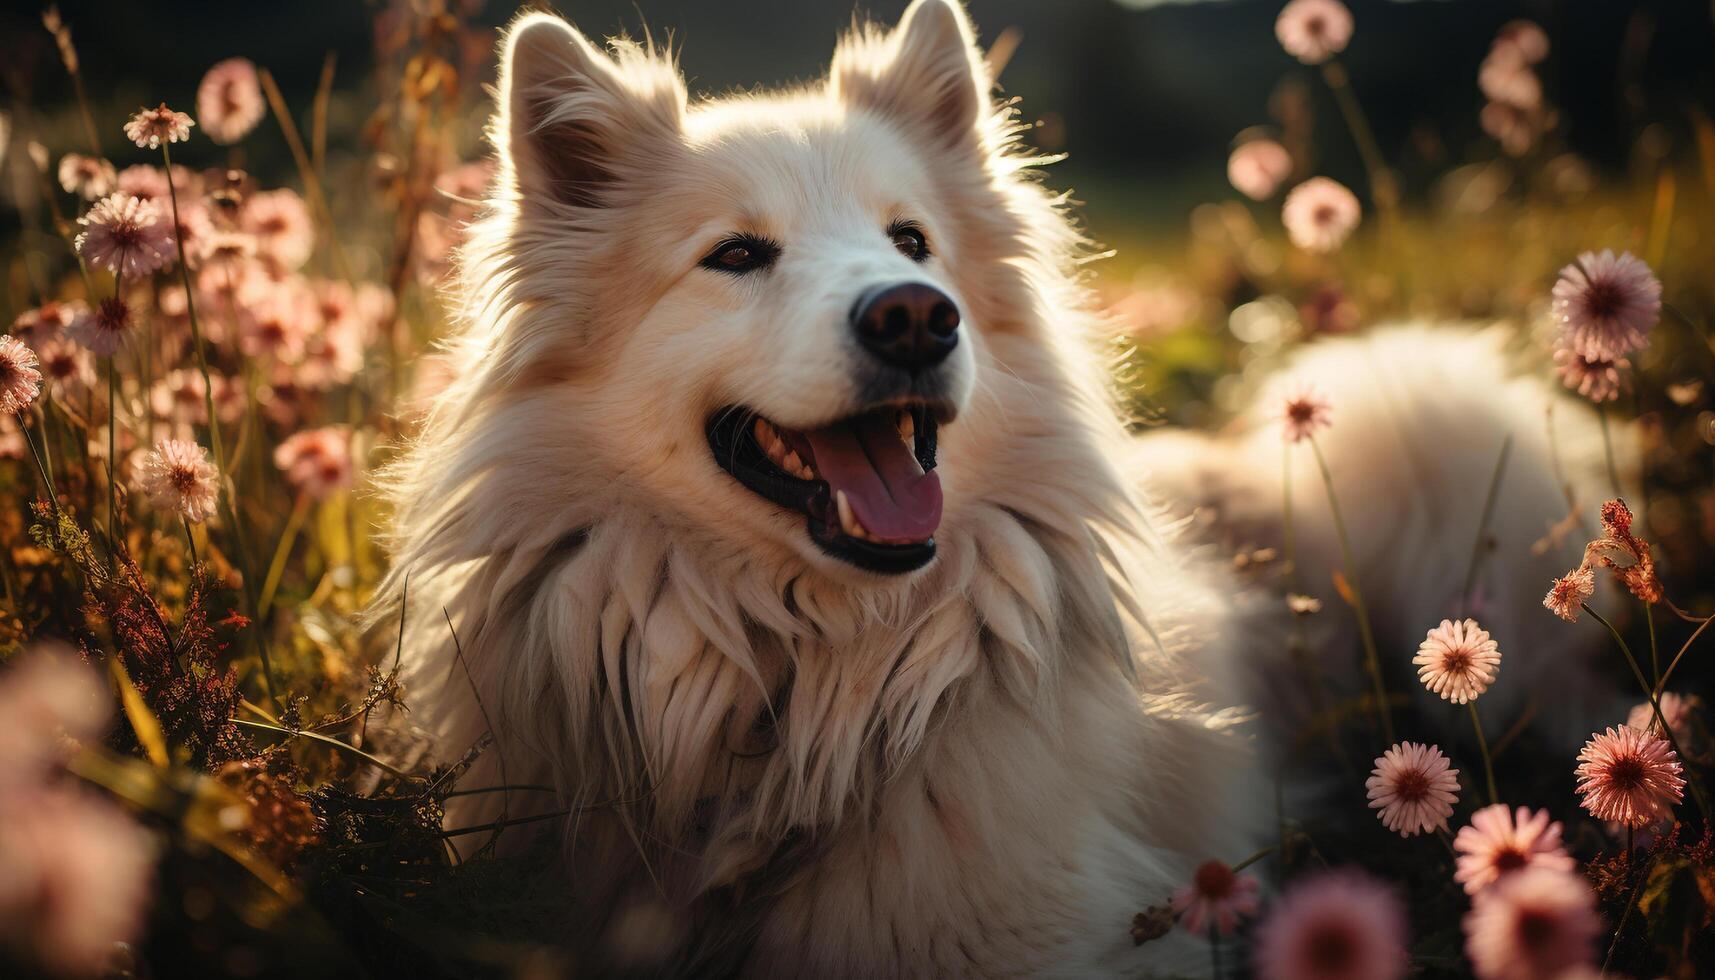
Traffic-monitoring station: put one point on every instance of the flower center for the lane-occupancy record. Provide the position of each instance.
(1215, 880)
(1324, 215)
(182, 478)
(1412, 785)
(1535, 929)
(1330, 949)
(1509, 859)
(1626, 774)
(1603, 299)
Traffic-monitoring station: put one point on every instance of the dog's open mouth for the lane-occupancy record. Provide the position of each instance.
(866, 484)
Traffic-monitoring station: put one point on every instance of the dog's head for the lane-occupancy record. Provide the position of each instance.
(769, 305)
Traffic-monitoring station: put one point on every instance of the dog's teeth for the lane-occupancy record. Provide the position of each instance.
(806, 473)
(763, 431)
(848, 520)
(907, 426)
(792, 464)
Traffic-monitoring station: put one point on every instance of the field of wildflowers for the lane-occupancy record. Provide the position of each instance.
(205, 761)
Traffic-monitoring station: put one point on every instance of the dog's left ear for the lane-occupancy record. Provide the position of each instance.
(926, 74)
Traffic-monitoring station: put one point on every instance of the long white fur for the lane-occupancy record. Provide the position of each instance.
(1419, 416)
(985, 768)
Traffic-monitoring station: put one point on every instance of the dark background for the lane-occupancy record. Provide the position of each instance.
(1145, 97)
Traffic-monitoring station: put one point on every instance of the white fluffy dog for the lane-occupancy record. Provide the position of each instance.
(784, 528)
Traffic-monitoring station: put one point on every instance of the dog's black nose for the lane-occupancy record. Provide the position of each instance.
(909, 325)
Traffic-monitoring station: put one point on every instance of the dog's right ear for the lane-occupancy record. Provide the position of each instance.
(570, 115)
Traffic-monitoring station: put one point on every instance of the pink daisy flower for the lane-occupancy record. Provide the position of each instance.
(1530, 925)
(126, 236)
(20, 378)
(49, 319)
(145, 183)
(1414, 788)
(317, 462)
(1320, 214)
(87, 177)
(1528, 41)
(1304, 414)
(1314, 30)
(229, 101)
(1569, 592)
(1675, 710)
(1629, 777)
(1508, 81)
(65, 366)
(1458, 660)
(1216, 897)
(149, 128)
(75, 877)
(1340, 926)
(105, 329)
(281, 225)
(179, 479)
(1598, 379)
(1257, 168)
(1498, 842)
(1606, 304)
(277, 321)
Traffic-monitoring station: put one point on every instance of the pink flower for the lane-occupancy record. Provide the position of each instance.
(1457, 660)
(229, 101)
(1528, 41)
(1507, 80)
(1320, 214)
(1257, 168)
(1498, 842)
(1598, 379)
(1629, 777)
(87, 177)
(1569, 592)
(317, 462)
(75, 877)
(126, 236)
(1343, 925)
(46, 696)
(1675, 710)
(281, 226)
(1216, 897)
(1535, 924)
(1304, 414)
(65, 366)
(48, 319)
(20, 379)
(105, 329)
(179, 479)
(1606, 304)
(1414, 788)
(1314, 30)
(276, 321)
(149, 128)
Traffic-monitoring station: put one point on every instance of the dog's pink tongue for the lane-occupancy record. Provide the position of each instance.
(888, 491)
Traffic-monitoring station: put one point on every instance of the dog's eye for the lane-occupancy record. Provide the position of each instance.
(742, 254)
(910, 241)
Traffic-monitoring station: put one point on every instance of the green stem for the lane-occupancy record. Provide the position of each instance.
(190, 539)
(1654, 657)
(1372, 658)
(1483, 746)
(112, 459)
(1254, 858)
(325, 740)
(240, 550)
(41, 465)
(1655, 707)
(1382, 186)
(1608, 451)
(1661, 685)
(1483, 524)
(282, 551)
